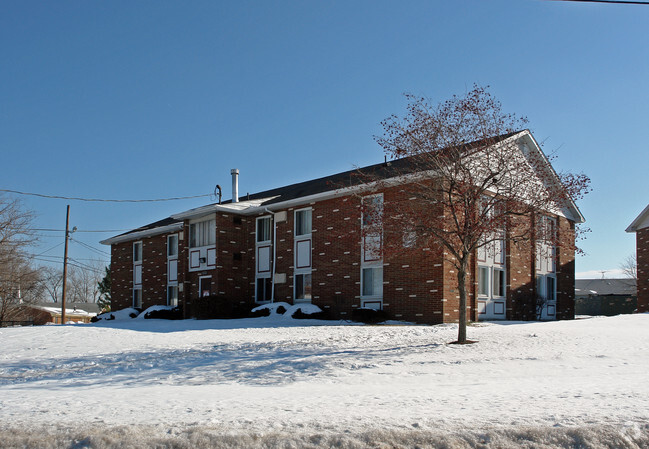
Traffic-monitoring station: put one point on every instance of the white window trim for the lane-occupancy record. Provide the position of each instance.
(374, 297)
(261, 276)
(487, 268)
(195, 223)
(372, 263)
(173, 256)
(270, 233)
(141, 246)
(177, 295)
(200, 278)
(504, 281)
(133, 297)
(295, 298)
(302, 236)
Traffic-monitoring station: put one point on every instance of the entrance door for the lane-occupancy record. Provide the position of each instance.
(547, 297)
(491, 293)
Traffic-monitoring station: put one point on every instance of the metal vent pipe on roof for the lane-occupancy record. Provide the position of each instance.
(235, 185)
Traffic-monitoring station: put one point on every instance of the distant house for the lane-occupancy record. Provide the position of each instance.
(605, 296)
(288, 244)
(44, 313)
(641, 228)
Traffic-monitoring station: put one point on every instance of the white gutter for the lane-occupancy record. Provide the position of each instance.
(638, 222)
(143, 233)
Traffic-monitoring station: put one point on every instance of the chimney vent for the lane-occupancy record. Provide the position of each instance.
(235, 185)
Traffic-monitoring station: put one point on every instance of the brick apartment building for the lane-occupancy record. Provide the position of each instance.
(288, 244)
(641, 228)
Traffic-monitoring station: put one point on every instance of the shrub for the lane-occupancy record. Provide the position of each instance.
(322, 315)
(369, 316)
(260, 313)
(165, 314)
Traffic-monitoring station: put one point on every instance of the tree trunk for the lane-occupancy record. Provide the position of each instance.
(461, 287)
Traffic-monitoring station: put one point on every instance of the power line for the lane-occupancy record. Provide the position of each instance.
(69, 263)
(57, 197)
(624, 2)
(80, 230)
(90, 247)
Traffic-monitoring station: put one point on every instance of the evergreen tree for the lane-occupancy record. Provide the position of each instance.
(104, 289)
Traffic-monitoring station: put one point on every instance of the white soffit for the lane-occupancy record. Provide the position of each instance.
(641, 221)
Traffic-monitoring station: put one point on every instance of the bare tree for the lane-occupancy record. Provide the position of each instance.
(84, 281)
(466, 178)
(630, 267)
(52, 282)
(18, 281)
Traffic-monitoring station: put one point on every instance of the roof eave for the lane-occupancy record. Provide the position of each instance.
(636, 224)
(573, 210)
(144, 233)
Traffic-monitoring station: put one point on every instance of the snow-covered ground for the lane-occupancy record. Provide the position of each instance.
(279, 382)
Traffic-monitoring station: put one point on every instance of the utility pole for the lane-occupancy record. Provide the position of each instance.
(65, 263)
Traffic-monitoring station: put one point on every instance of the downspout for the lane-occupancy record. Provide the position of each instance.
(272, 280)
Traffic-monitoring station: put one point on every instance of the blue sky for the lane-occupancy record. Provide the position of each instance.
(156, 99)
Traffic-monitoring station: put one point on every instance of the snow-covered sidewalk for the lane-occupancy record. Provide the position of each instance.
(276, 374)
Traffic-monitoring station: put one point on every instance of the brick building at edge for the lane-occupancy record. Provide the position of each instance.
(287, 244)
(641, 228)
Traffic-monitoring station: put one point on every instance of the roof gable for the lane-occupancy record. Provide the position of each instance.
(641, 221)
(337, 185)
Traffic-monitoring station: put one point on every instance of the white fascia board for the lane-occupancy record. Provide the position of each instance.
(143, 233)
(641, 221)
(335, 193)
(240, 207)
(573, 211)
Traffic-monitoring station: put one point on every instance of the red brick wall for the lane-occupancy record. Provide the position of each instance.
(121, 270)
(566, 270)
(642, 253)
(520, 272)
(154, 272)
(419, 285)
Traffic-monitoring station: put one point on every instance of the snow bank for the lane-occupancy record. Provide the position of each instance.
(198, 437)
(281, 382)
(119, 315)
(287, 310)
(145, 314)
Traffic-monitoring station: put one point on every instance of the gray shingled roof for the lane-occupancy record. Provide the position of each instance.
(348, 178)
(584, 287)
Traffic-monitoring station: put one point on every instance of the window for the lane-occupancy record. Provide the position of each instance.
(550, 293)
(409, 237)
(172, 246)
(202, 233)
(137, 252)
(263, 229)
(172, 295)
(373, 211)
(205, 286)
(303, 286)
(483, 281)
(372, 281)
(137, 298)
(264, 289)
(303, 222)
(499, 282)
